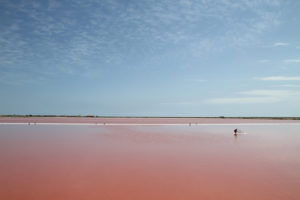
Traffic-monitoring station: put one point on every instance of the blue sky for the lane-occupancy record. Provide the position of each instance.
(150, 58)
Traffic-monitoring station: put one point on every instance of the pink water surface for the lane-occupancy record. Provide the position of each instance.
(149, 162)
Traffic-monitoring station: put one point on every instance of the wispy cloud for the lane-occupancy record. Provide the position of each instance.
(278, 44)
(258, 96)
(292, 60)
(273, 93)
(52, 4)
(92, 31)
(279, 78)
(290, 85)
(243, 100)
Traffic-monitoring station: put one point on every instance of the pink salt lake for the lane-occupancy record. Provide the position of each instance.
(149, 162)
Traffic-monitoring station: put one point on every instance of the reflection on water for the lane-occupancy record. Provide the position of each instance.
(149, 162)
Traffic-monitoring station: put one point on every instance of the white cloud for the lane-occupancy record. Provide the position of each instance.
(52, 4)
(277, 44)
(243, 100)
(272, 93)
(290, 85)
(58, 37)
(280, 78)
(259, 96)
(292, 60)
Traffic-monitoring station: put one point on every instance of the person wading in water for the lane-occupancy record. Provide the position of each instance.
(235, 132)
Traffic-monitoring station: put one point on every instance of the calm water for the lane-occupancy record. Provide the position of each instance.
(149, 162)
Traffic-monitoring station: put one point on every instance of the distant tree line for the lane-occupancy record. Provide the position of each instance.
(96, 116)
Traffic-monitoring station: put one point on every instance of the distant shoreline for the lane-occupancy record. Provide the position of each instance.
(42, 119)
(179, 117)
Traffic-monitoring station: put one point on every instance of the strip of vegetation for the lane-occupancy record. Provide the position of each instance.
(96, 116)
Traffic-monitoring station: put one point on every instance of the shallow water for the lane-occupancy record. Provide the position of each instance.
(149, 162)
